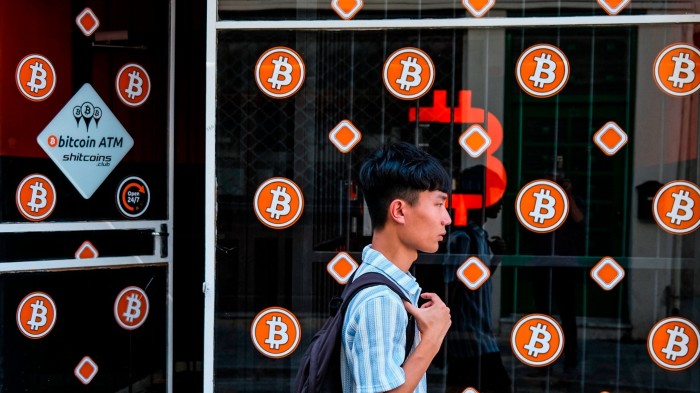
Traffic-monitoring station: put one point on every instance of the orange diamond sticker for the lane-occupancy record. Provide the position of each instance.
(345, 136)
(475, 141)
(473, 273)
(610, 138)
(342, 267)
(347, 9)
(87, 21)
(86, 370)
(607, 273)
(613, 7)
(478, 8)
(86, 251)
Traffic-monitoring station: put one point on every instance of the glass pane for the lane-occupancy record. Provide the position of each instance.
(79, 137)
(607, 140)
(417, 9)
(74, 318)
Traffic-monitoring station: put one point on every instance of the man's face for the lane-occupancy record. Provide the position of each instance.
(425, 221)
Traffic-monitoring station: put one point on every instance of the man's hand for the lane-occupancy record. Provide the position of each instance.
(433, 319)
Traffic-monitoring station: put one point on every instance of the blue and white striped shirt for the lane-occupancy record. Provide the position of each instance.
(374, 331)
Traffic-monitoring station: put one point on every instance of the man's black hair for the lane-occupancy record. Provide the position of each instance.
(399, 170)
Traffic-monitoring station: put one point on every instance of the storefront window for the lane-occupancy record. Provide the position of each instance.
(607, 136)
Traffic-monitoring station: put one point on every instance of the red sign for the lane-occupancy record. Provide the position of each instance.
(464, 113)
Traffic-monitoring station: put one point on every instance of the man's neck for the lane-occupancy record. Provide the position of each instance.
(400, 256)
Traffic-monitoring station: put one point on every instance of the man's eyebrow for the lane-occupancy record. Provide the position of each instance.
(442, 197)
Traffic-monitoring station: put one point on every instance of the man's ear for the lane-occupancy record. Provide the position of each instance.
(396, 211)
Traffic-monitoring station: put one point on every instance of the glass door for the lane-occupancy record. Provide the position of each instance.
(85, 196)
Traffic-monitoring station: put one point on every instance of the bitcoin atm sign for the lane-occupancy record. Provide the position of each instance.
(85, 140)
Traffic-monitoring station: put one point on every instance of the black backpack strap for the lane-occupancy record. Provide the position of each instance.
(370, 279)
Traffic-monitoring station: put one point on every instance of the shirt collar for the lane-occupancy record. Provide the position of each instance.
(405, 280)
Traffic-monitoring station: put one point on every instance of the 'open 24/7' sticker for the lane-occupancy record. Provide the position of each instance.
(133, 197)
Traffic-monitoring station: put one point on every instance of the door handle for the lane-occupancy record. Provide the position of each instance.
(162, 235)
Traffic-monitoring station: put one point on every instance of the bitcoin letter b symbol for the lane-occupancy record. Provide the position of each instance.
(282, 68)
(38, 79)
(545, 65)
(279, 198)
(411, 69)
(277, 329)
(135, 82)
(683, 66)
(38, 318)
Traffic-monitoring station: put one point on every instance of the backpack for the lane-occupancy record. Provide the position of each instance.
(319, 370)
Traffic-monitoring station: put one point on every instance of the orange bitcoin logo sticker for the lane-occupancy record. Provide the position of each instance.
(542, 70)
(613, 7)
(478, 8)
(275, 332)
(86, 370)
(409, 73)
(537, 340)
(345, 136)
(36, 315)
(673, 343)
(675, 69)
(473, 273)
(280, 72)
(347, 9)
(36, 77)
(131, 308)
(676, 207)
(278, 203)
(36, 197)
(607, 273)
(542, 206)
(342, 267)
(133, 85)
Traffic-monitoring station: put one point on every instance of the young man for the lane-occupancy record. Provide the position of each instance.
(405, 190)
